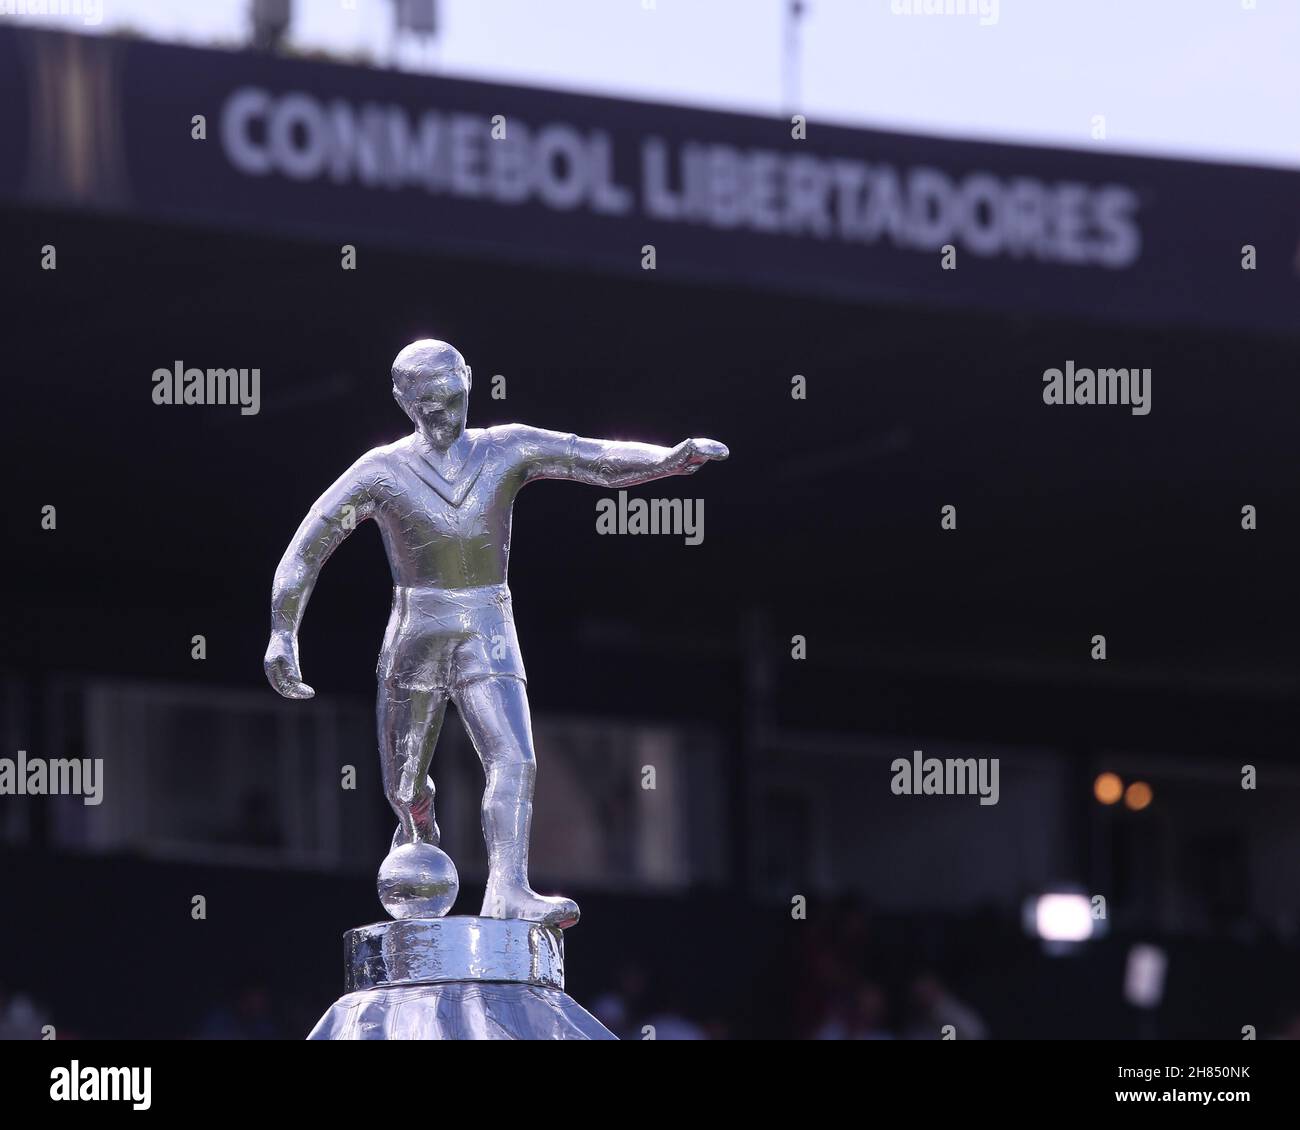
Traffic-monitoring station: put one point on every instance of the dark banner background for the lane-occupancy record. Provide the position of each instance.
(1193, 218)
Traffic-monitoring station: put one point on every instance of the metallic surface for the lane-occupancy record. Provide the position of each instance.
(418, 881)
(423, 951)
(459, 1011)
(443, 498)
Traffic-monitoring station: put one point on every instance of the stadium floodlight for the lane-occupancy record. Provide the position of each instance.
(795, 10)
(420, 17)
(271, 19)
(1064, 917)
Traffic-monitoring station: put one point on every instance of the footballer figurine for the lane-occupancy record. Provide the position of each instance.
(442, 497)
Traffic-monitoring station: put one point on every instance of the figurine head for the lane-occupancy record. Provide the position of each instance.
(431, 382)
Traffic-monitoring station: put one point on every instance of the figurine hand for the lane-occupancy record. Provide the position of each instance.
(692, 454)
(281, 666)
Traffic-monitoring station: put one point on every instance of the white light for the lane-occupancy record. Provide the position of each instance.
(1144, 976)
(1063, 918)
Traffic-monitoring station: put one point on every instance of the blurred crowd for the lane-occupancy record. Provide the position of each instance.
(829, 985)
(836, 976)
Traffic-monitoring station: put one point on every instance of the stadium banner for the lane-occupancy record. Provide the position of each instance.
(367, 157)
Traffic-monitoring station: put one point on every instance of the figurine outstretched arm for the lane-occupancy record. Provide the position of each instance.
(610, 462)
(330, 520)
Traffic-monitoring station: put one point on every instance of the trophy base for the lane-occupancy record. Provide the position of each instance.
(459, 1010)
(458, 978)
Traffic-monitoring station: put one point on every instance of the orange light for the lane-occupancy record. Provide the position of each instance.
(1138, 796)
(1108, 788)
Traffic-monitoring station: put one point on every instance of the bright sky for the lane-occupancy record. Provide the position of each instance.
(1215, 79)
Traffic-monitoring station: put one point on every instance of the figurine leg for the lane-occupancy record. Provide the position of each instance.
(409, 722)
(495, 713)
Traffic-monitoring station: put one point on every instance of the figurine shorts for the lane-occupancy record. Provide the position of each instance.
(441, 639)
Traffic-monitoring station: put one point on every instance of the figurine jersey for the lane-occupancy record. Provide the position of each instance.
(442, 498)
(448, 545)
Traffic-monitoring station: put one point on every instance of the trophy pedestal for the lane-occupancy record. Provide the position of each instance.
(459, 978)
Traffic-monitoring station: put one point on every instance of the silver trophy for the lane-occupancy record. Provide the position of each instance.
(443, 497)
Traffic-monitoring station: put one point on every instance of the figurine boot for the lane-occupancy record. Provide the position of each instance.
(420, 816)
(507, 822)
